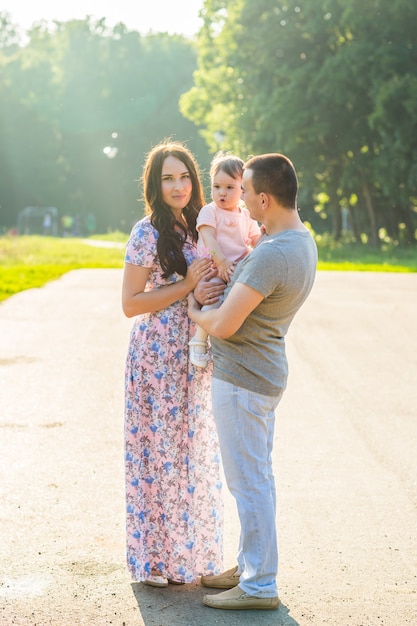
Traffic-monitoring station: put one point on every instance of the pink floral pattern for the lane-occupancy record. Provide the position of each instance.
(173, 486)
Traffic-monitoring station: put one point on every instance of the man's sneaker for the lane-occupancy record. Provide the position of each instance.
(237, 600)
(226, 580)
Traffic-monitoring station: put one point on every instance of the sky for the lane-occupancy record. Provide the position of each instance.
(172, 16)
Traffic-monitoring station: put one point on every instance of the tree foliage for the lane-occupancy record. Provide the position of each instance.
(332, 84)
(72, 90)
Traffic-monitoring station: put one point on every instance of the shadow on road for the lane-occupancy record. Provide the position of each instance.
(182, 606)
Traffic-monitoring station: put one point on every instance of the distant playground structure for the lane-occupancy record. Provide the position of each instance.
(38, 220)
(34, 220)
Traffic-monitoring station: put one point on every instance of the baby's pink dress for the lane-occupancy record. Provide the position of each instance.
(235, 230)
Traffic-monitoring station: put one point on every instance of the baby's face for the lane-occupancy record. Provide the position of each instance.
(226, 191)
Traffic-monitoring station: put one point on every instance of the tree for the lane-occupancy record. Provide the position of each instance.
(76, 89)
(318, 81)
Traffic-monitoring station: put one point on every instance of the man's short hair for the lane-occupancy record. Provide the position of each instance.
(274, 174)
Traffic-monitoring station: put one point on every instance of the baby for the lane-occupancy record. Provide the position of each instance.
(226, 232)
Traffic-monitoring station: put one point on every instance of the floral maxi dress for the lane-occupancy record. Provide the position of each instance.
(173, 487)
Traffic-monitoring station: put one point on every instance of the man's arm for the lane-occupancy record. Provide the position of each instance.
(226, 320)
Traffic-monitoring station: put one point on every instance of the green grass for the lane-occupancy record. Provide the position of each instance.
(348, 266)
(350, 256)
(115, 236)
(31, 261)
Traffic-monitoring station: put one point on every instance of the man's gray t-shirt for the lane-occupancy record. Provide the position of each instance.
(282, 268)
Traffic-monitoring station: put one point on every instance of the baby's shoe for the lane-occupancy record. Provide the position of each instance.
(198, 359)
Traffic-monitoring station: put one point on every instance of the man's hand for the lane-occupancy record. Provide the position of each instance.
(208, 291)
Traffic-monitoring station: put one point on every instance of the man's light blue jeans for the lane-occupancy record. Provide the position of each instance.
(245, 425)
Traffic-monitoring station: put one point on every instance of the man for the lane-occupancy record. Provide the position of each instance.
(250, 372)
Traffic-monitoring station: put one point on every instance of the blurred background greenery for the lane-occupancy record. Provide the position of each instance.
(331, 83)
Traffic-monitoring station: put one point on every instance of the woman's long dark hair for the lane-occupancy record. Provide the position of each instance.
(171, 242)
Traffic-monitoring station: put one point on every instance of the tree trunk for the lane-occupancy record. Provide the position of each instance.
(373, 238)
(354, 223)
(337, 222)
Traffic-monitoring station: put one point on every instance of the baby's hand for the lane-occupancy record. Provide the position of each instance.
(225, 269)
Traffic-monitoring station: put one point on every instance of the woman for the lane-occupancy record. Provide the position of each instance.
(174, 505)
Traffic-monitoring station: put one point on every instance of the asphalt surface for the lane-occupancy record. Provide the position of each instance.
(345, 462)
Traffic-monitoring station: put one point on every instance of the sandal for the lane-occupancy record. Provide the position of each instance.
(198, 359)
(156, 580)
(175, 582)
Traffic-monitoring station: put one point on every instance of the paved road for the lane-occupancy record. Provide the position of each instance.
(345, 456)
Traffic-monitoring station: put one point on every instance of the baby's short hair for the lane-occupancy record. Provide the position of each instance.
(228, 163)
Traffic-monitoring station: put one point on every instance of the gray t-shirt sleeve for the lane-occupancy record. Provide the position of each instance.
(265, 271)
